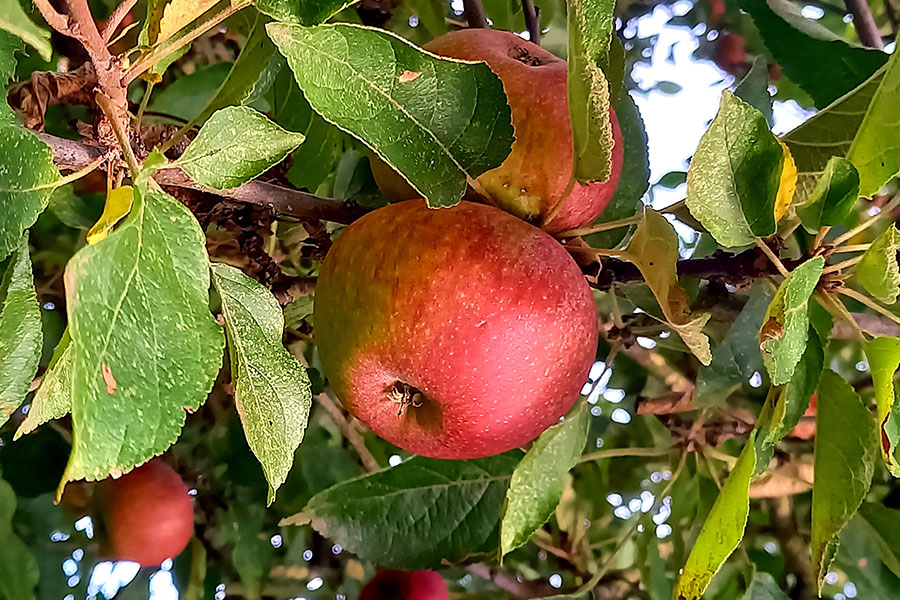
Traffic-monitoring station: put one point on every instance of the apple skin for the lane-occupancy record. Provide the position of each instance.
(533, 178)
(145, 516)
(404, 585)
(484, 315)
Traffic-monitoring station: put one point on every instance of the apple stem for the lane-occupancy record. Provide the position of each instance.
(475, 15)
(532, 21)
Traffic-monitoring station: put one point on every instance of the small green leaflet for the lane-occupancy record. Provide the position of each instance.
(782, 337)
(14, 20)
(829, 133)
(792, 399)
(878, 271)
(833, 198)
(26, 183)
(734, 176)
(821, 63)
(53, 400)
(271, 389)
(421, 512)
(19, 572)
(845, 452)
(883, 355)
(145, 347)
(439, 122)
(590, 25)
(874, 152)
(304, 12)
(764, 587)
(723, 529)
(21, 337)
(235, 145)
(538, 481)
(754, 88)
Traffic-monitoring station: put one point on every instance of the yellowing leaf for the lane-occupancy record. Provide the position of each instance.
(654, 251)
(788, 184)
(118, 205)
(178, 13)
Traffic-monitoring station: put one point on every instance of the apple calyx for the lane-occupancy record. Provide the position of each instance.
(405, 396)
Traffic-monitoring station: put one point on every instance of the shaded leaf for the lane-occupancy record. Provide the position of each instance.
(142, 334)
(14, 20)
(117, 206)
(421, 512)
(251, 552)
(19, 572)
(20, 332)
(448, 124)
(885, 525)
(723, 529)
(783, 335)
(821, 63)
(590, 27)
(883, 356)
(845, 452)
(303, 12)
(271, 389)
(754, 88)
(764, 587)
(538, 481)
(793, 399)
(734, 176)
(235, 145)
(878, 271)
(833, 198)
(53, 400)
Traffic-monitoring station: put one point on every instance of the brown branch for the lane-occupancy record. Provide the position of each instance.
(115, 19)
(532, 21)
(54, 19)
(473, 10)
(866, 29)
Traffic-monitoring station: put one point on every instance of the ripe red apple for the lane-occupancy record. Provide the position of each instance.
(730, 53)
(404, 585)
(453, 333)
(532, 180)
(145, 516)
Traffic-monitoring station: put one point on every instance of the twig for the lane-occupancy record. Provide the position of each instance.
(837, 309)
(473, 10)
(864, 23)
(772, 256)
(115, 19)
(850, 293)
(883, 213)
(532, 21)
(851, 248)
(601, 227)
(625, 452)
(347, 430)
(841, 265)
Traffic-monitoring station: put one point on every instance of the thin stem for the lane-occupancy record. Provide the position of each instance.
(842, 265)
(78, 174)
(532, 21)
(169, 143)
(124, 143)
(837, 309)
(850, 293)
(772, 257)
(885, 211)
(866, 29)
(144, 101)
(625, 452)
(627, 222)
(820, 236)
(473, 10)
(851, 248)
(116, 18)
(329, 403)
(169, 46)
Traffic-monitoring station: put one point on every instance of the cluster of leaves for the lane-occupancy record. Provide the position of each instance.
(141, 348)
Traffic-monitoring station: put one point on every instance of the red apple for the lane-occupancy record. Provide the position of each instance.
(145, 516)
(453, 333)
(404, 585)
(730, 53)
(532, 180)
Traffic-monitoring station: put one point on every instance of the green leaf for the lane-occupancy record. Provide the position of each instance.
(883, 355)
(53, 400)
(20, 332)
(764, 587)
(723, 529)
(821, 63)
(251, 552)
(26, 183)
(590, 26)
(737, 357)
(235, 145)
(303, 12)
(875, 154)
(828, 133)
(833, 198)
(14, 20)
(885, 525)
(538, 481)
(19, 572)
(439, 121)
(793, 398)
(248, 79)
(754, 88)
(271, 389)
(145, 347)
(734, 175)
(783, 335)
(878, 271)
(845, 451)
(431, 15)
(421, 512)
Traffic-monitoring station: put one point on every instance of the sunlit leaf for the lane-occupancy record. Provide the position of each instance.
(878, 271)
(53, 400)
(833, 197)
(883, 355)
(304, 12)
(788, 183)
(116, 208)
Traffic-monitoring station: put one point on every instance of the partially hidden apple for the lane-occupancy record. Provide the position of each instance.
(404, 585)
(534, 177)
(145, 516)
(453, 333)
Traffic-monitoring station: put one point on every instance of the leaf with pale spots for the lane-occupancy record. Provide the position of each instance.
(845, 454)
(271, 389)
(883, 355)
(439, 129)
(235, 145)
(20, 332)
(878, 271)
(304, 12)
(144, 345)
(53, 400)
(782, 337)
(538, 481)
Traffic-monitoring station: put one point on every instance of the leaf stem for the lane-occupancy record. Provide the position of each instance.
(124, 143)
(602, 227)
(837, 309)
(885, 211)
(144, 101)
(78, 174)
(772, 257)
(851, 248)
(850, 293)
(842, 265)
(625, 452)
